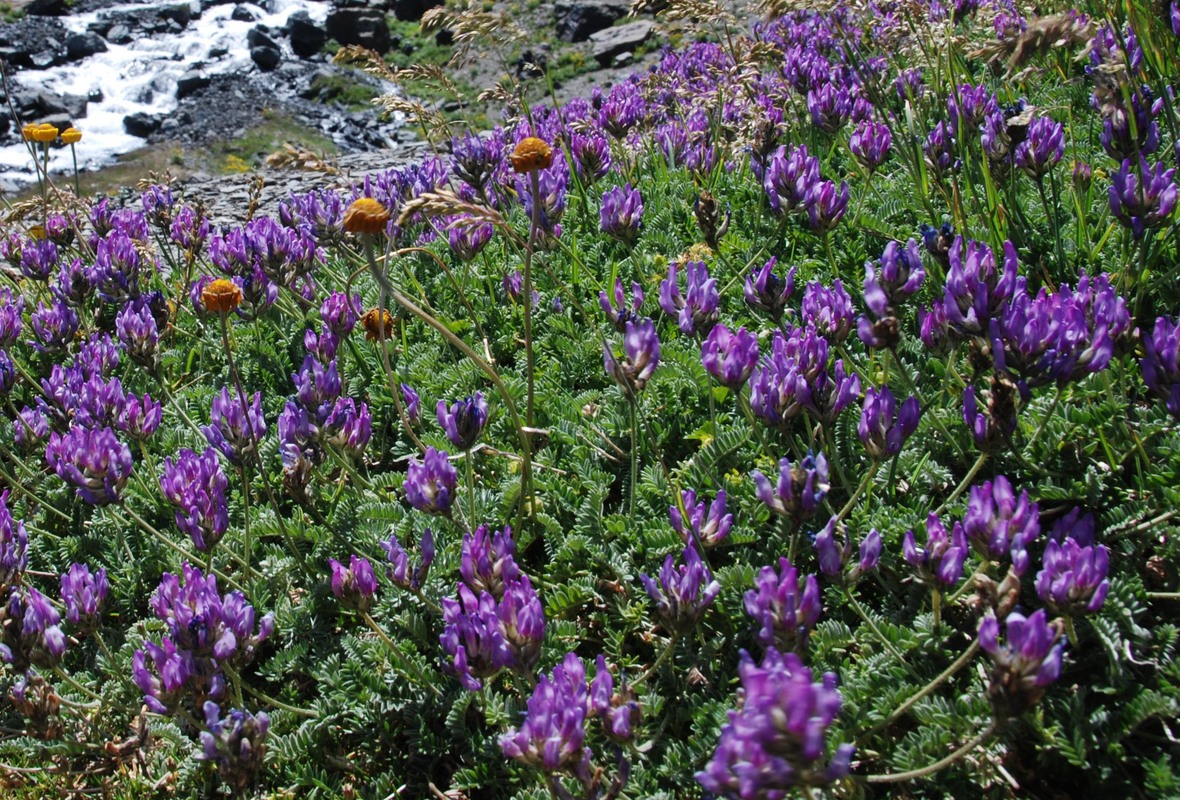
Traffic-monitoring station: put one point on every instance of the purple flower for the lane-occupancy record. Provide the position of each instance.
(730, 357)
(317, 387)
(940, 563)
(826, 205)
(897, 276)
(641, 356)
(553, 734)
(939, 150)
(476, 159)
(789, 178)
(339, 313)
(975, 290)
(870, 143)
(1077, 524)
(870, 556)
(468, 236)
(999, 523)
(1142, 197)
(14, 545)
(7, 373)
(190, 230)
(138, 333)
(38, 259)
(10, 317)
(1122, 140)
(591, 155)
(195, 485)
(618, 711)
(237, 427)
(799, 491)
(684, 592)
(487, 561)
(349, 426)
(1025, 664)
(93, 460)
(30, 427)
(31, 634)
(968, 106)
(157, 201)
(705, 526)
(908, 84)
(829, 310)
(465, 420)
(354, 585)
(83, 594)
(1161, 362)
(484, 635)
(767, 292)
(413, 403)
(236, 744)
(53, 326)
(883, 427)
(1042, 149)
(776, 739)
(992, 425)
(1072, 580)
(430, 484)
(696, 312)
(399, 569)
(621, 213)
(830, 105)
(785, 612)
(619, 314)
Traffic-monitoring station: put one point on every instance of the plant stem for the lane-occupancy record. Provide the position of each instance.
(634, 453)
(471, 484)
(970, 476)
(860, 612)
(527, 291)
(409, 666)
(664, 656)
(914, 774)
(864, 484)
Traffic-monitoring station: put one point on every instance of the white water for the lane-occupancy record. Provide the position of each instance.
(139, 77)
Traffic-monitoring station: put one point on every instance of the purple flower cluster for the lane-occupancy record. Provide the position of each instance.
(1025, 664)
(799, 491)
(621, 213)
(14, 546)
(399, 560)
(96, 463)
(833, 556)
(83, 594)
(785, 612)
(1161, 363)
(795, 377)
(464, 421)
(196, 485)
(1000, 524)
(1073, 579)
(205, 631)
(354, 585)
(940, 562)
(683, 593)
(883, 426)
(235, 743)
(888, 283)
(1143, 197)
(730, 357)
(706, 525)
(236, 426)
(696, 311)
(777, 738)
(641, 356)
(767, 292)
(29, 630)
(430, 483)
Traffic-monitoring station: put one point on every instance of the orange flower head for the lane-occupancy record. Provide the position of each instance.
(378, 324)
(221, 296)
(366, 215)
(44, 133)
(531, 154)
(71, 135)
(27, 130)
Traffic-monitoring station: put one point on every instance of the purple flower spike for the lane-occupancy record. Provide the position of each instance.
(54, 326)
(799, 491)
(14, 545)
(622, 213)
(829, 310)
(349, 426)
(940, 563)
(236, 427)
(553, 734)
(897, 276)
(196, 486)
(1143, 198)
(767, 292)
(430, 484)
(1072, 580)
(870, 144)
(999, 523)
(31, 634)
(413, 403)
(487, 561)
(730, 357)
(354, 585)
(870, 556)
(785, 612)
(939, 149)
(777, 738)
(236, 744)
(1042, 149)
(484, 635)
(641, 350)
(618, 711)
(467, 236)
(883, 427)
(696, 311)
(620, 313)
(10, 317)
(789, 178)
(399, 559)
(339, 314)
(1161, 363)
(1025, 664)
(93, 460)
(826, 205)
(684, 592)
(831, 554)
(138, 333)
(465, 420)
(83, 594)
(706, 526)
(591, 155)
(830, 105)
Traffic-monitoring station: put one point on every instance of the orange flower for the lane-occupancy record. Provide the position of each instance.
(531, 154)
(27, 130)
(378, 324)
(366, 215)
(71, 135)
(221, 296)
(44, 133)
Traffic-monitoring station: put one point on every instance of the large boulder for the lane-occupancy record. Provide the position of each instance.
(142, 125)
(412, 10)
(259, 36)
(578, 19)
(615, 41)
(267, 58)
(84, 45)
(192, 81)
(47, 8)
(307, 38)
(359, 26)
(242, 14)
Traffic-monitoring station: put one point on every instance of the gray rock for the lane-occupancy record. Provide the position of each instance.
(47, 8)
(75, 105)
(191, 81)
(46, 59)
(242, 14)
(119, 34)
(59, 121)
(307, 38)
(578, 19)
(258, 36)
(267, 58)
(84, 45)
(624, 39)
(412, 10)
(141, 124)
(364, 27)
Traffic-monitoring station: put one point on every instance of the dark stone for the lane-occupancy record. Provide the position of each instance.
(267, 58)
(577, 19)
(75, 105)
(412, 10)
(623, 39)
(181, 13)
(259, 36)
(84, 45)
(218, 52)
(47, 8)
(5, 122)
(96, 96)
(119, 34)
(46, 59)
(242, 14)
(141, 124)
(59, 121)
(189, 82)
(307, 38)
(358, 26)
(445, 37)
(43, 103)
